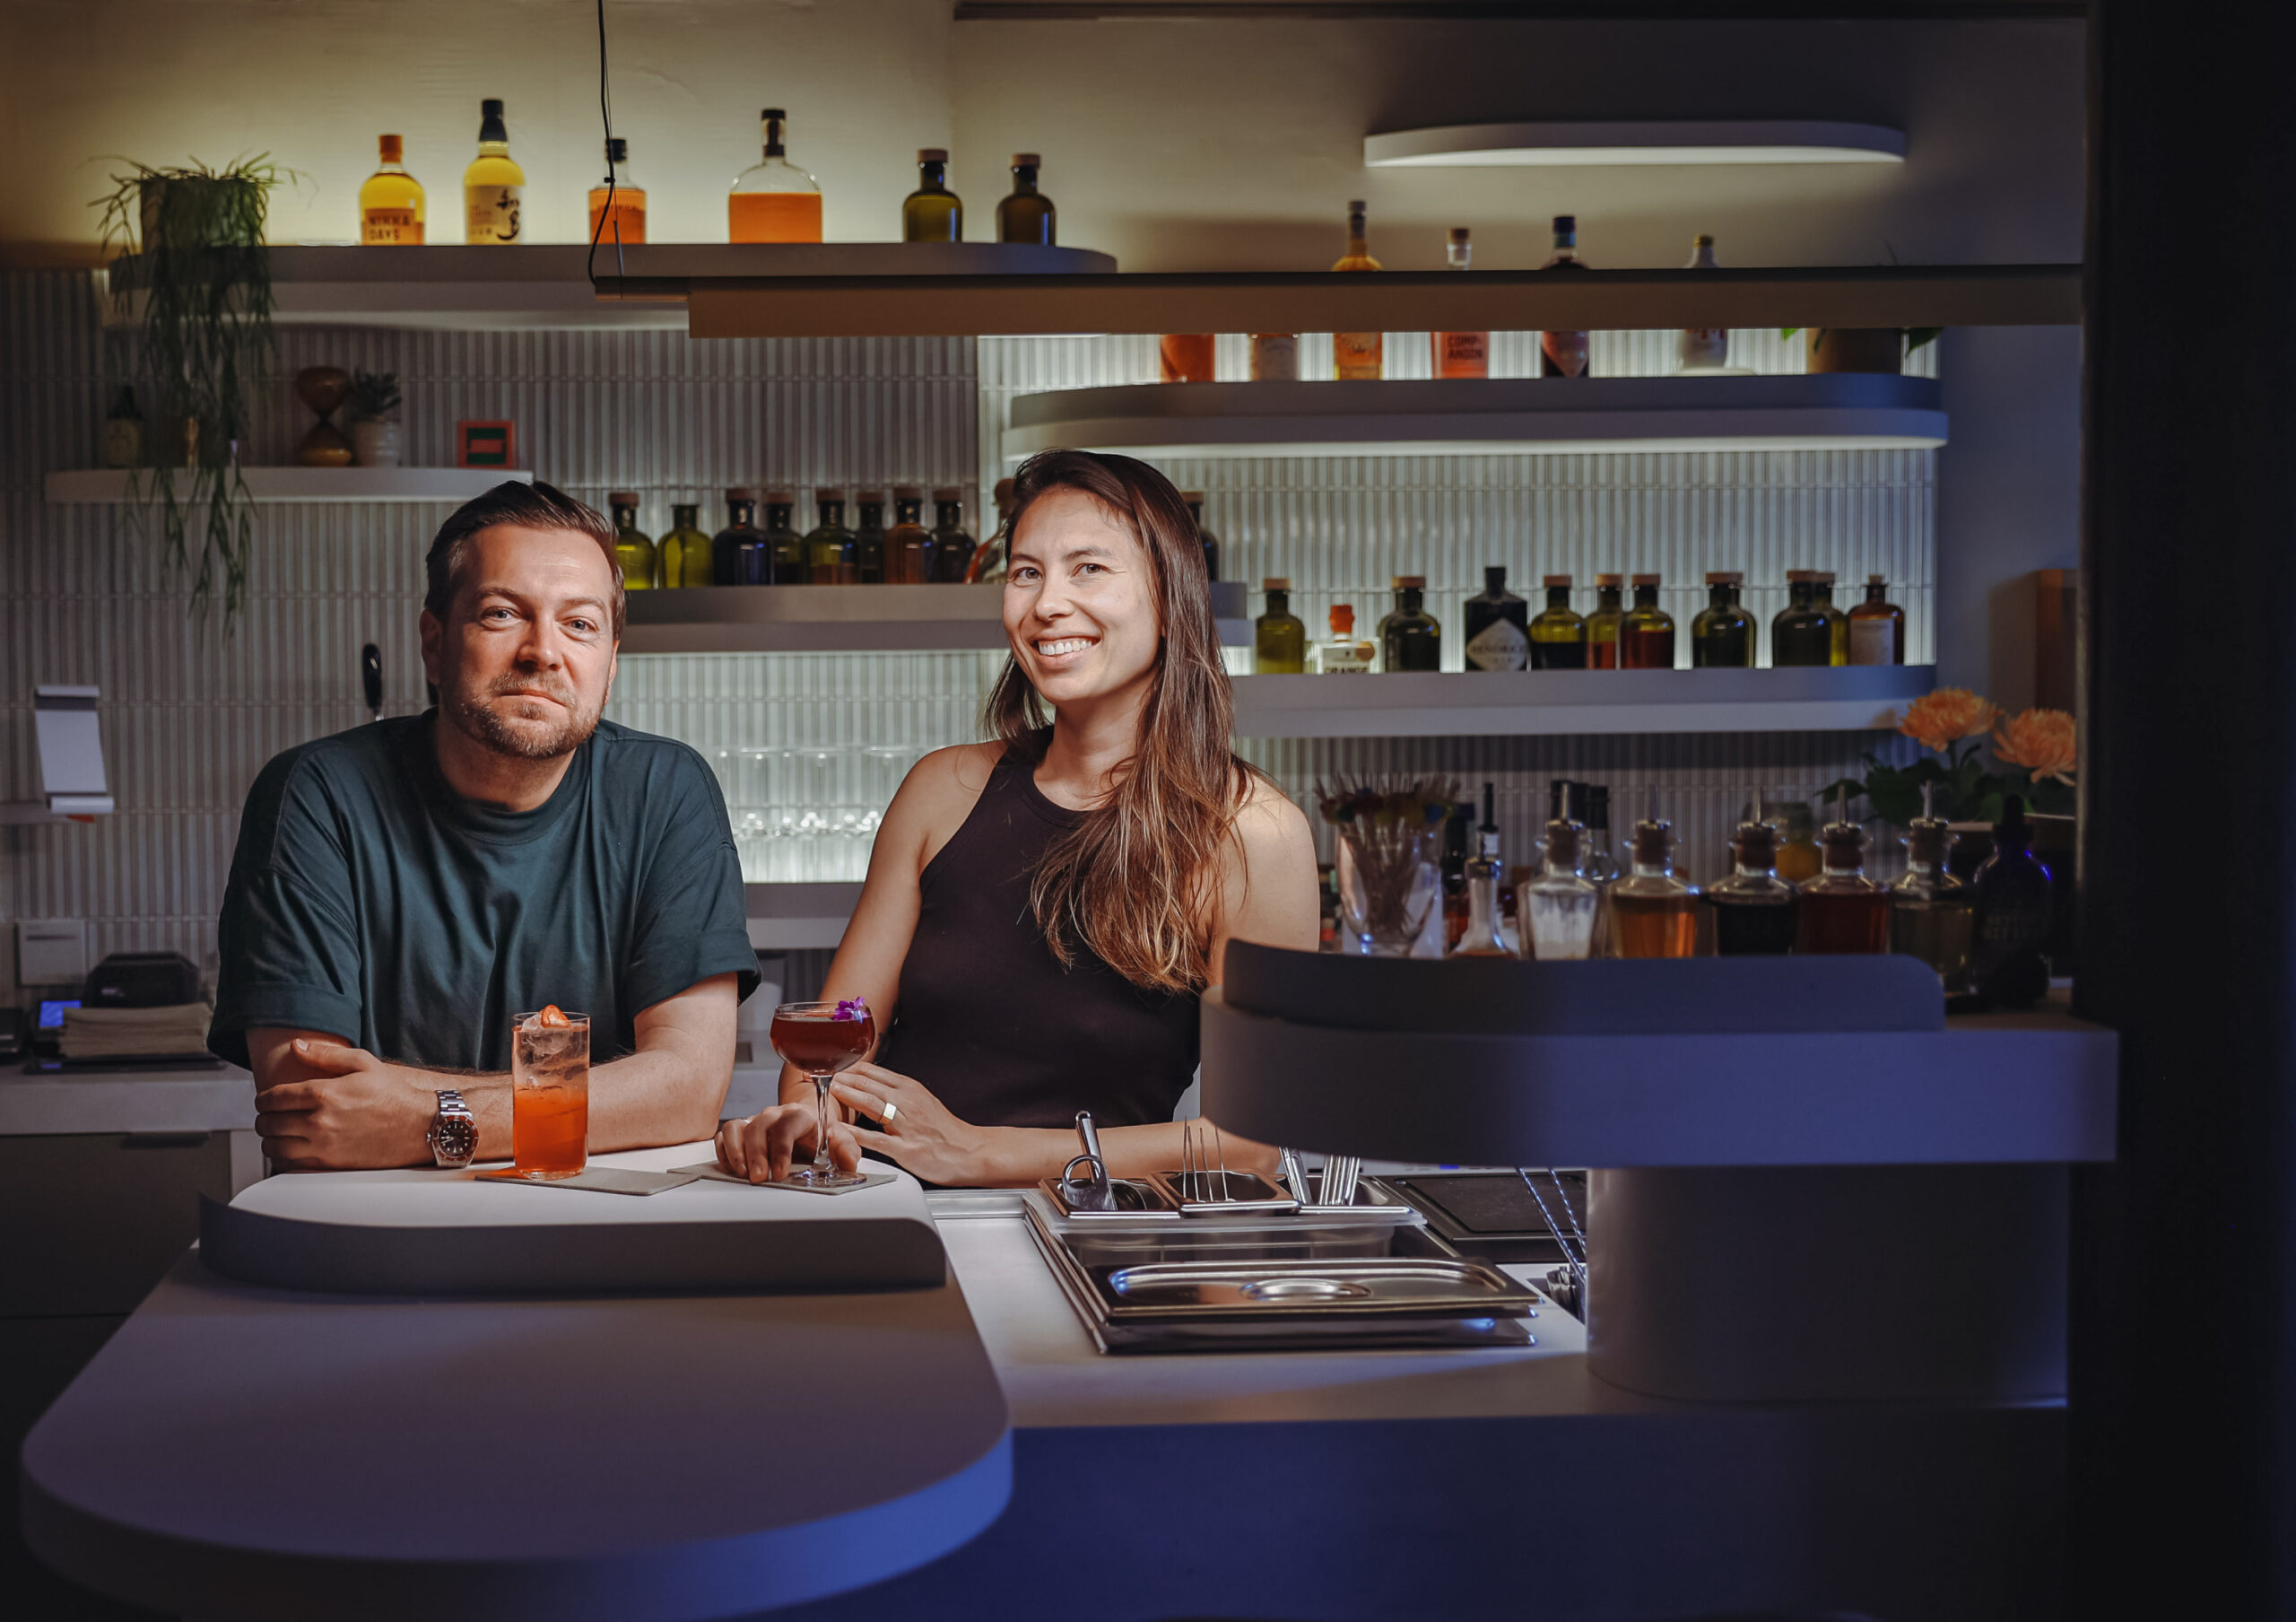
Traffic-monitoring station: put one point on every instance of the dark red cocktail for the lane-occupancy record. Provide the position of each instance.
(820, 1039)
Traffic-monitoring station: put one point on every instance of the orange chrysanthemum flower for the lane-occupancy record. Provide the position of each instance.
(2039, 740)
(1947, 716)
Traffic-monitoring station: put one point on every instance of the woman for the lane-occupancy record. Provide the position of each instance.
(1043, 910)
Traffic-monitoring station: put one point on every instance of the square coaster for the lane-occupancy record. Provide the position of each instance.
(604, 1179)
(711, 1171)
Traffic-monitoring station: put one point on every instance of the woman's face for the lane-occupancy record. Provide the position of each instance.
(1079, 601)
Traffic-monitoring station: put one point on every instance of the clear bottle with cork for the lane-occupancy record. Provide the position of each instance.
(1345, 653)
(1842, 909)
(1836, 622)
(1027, 215)
(1357, 356)
(1558, 635)
(1485, 935)
(952, 544)
(1496, 625)
(988, 558)
(1564, 354)
(618, 209)
(829, 547)
(773, 200)
(634, 552)
(1645, 635)
(1653, 913)
(1931, 913)
(869, 536)
(1702, 348)
(1558, 910)
(738, 554)
(931, 213)
(390, 203)
(908, 543)
(685, 553)
(1800, 635)
(785, 543)
(1877, 627)
(1279, 636)
(2015, 905)
(1603, 624)
(1756, 913)
(1723, 635)
(1194, 499)
(1460, 354)
(1410, 639)
(494, 188)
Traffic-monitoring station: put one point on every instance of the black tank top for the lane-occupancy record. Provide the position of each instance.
(990, 1021)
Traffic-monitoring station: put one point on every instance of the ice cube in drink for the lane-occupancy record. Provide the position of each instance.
(549, 1094)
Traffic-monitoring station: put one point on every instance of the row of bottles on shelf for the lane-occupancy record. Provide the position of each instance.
(1187, 357)
(773, 201)
(1501, 634)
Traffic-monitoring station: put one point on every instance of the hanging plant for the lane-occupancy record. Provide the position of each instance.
(202, 274)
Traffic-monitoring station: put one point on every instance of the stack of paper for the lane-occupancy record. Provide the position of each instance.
(178, 1028)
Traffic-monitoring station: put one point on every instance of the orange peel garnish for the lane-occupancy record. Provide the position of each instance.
(552, 1016)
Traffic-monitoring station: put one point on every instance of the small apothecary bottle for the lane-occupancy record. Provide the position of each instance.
(1756, 913)
(1559, 907)
(1931, 913)
(1653, 913)
(1842, 909)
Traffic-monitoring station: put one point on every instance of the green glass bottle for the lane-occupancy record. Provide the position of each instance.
(1558, 635)
(908, 544)
(931, 213)
(1722, 636)
(1279, 636)
(1027, 215)
(829, 549)
(869, 538)
(633, 548)
(1410, 639)
(685, 552)
(785, 548)
(1799, 635)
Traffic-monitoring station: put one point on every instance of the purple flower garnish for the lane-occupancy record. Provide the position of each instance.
(851, 1008)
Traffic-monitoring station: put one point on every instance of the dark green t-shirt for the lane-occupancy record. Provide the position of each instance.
(368, 900)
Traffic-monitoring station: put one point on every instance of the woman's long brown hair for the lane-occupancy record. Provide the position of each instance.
(1133, 881)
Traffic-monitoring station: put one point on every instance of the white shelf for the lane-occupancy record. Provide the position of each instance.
(109, 485)
(1833, 411)
(1574, 145)
(847, 619)
(1856, 698)
(800, 917)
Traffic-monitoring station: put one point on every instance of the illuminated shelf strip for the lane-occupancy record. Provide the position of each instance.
(1589, 144)
(96, 485)
(848, 619)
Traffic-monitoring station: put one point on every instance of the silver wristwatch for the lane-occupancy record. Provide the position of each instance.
(454, 1132)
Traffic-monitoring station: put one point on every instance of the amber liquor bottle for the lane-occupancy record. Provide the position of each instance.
(1357, 356)
(1460, 354)
(1877, 627)
(908, 543)
(1653, 913)
(1646, 636)
(1496, 625)
(1756, 913)
(1723, 635)
(1842, 909)
(1027, 215)
(1602, 625)
(390, 203)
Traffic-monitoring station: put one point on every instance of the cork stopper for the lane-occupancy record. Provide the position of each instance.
(947, 493)
(394, 149)
(1458, 233)
(1558, 582)
(1654, 842)
(909, 493)
(1645, 579)
(736, 493)
(1562, 844)
(1844, 844)
(868, 498)
(828, 494)
(1411, 582)
(622, 498)
(1276, 583)
(932, 154)
(1726, 577)
(1756, 844)
(1613, 582)
(1342, 620)
(1877, 579)
(780, 497)
(1793, 575)
(1027, 160)
(1193, 498)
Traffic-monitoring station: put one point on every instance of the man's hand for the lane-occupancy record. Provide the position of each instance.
(353, 1110)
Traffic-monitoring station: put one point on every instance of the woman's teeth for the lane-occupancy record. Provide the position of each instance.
(1067, 644)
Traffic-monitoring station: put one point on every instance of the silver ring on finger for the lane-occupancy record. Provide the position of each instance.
(890, 1113)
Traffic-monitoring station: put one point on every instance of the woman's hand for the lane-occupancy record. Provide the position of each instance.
(761, 1147)
(920, 1132)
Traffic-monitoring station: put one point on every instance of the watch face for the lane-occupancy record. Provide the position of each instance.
(454, 1138)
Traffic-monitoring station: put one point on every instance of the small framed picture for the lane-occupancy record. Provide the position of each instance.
(485, 445)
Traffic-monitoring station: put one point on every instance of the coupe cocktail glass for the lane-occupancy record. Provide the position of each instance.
(549, 1094)
(820, 1039)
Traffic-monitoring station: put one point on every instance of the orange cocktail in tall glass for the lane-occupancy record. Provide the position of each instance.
(549, 1094)
(820, 1039)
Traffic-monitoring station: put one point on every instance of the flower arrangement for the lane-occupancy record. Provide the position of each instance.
(1955, 725)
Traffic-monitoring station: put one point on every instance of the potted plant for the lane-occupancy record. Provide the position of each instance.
(188, 247)
(377, 438)
(1955, 724)
(1885, 348)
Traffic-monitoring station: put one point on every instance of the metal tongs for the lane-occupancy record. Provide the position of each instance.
(1092, 1192)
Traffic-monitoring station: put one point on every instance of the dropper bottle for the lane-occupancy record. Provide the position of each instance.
(1842, 909)
(1484, 871)
(1931, 913)
(1653, 913)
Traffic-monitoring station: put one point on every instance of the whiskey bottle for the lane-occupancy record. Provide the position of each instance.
(908, 544)
(1357, 356)
(1653, 913)
(1877, 627)
(618, 212)
(2014, 909)
(1498, 625)
(390, 203)
(1461, 354)
(1799, 633)
(738, 554)
(685, 552)
(1485, 935)
(633, 549)
(952, 546)
(989, 557)
(1409, 637)
(1195, 500)
(1602, 625)
(1931, 913)
(1279, 636)
(1722, 636)
(931, 213)
(1276, 357)
(1702, 348)
(785, 546)
(1347, 653)
(494, 188)
(1756, 913)
(1184, 357)
(1645, 635)
(1842, 909)
(829, 549)
(1836, 622)
(1558, 908)
(773, 200)
(1559, 635)
(1564, 354)
(1027, 215)
(869, 536)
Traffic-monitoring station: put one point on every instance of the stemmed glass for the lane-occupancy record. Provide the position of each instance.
(820, 1039)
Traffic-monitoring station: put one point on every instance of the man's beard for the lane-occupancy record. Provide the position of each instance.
(479, 722)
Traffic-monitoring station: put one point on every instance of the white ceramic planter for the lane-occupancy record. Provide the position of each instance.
(378, 442)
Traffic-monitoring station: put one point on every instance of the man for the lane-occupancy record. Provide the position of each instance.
(403, 891)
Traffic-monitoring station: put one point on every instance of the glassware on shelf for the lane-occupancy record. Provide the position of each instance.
(1485, 932)
(1877, 627)
(633, 549)
(1345, 653)
(786, 561)
(1027, 215)
(1496, 625)
(626, 223)
(1602, 625)
(1279, 636)
(1564, 354)
(908, 544)
(1558, 637)
(1460, 354)
(1410, 639)
(774, 200)
(390, 203)
(931, 213)
(685, 553)
(952, 544)
(1722, 637)
(1558, 909)
(1645, 635)
(738, 552)
(1357, 356)
(1653, 913)
(1842, 909)
(822, 1038)
(1756, 913)
(1702, 348)
(494, 188)
(869, 536)
(1388, 886)
(1931, 913)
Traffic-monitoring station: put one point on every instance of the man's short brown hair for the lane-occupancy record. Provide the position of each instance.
(535, 506)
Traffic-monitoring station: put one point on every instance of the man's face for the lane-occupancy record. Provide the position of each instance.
(526, 658)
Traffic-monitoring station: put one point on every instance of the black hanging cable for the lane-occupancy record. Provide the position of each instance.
(605, 117)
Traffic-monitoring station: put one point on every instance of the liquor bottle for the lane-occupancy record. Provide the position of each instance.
(786, 563)
(1931, 913)
(1836, 622)
(1564, 354)
(1798, 857)
(1409, 637)
(989, 557)
(633, 548)
(1184, 357)
(124, 431)
(1559, 635)
(390, 203)
(1877, 627)
(828, 548)
(494, 188)
(626, 223)
(1357, 356)
(1276, 357)
(908, 544)
(1485, 935)
(1645, 635)
(1756, 913)
(1498, 624)
(1799, 633)
(773, 200)
(952, 546)
(1458, 836)
(1558, 909)
(1195, 500)
(2014, 903)
(685, 552)
(869, 538)
(1347, 653)
(931, 213)
(1602, 625)
(1461, 354)
(1653, 913)
(1723, 635)
(1027, 215)
(1702, 348)
(1842, 909)
(1279, 636)
(738, 554)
